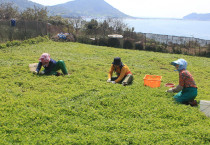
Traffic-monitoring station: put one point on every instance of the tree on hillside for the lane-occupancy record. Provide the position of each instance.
(117, 25)
(77, 23)
(58, 20)
(129, 33)
(28, 14)
(104, 28)
(91, 27)
(39, 14)
(8, 11)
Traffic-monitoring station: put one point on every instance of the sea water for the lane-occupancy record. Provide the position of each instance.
(174, 27)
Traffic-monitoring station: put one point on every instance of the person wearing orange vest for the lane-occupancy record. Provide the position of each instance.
(124, 74)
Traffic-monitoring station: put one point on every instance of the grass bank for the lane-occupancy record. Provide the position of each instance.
(83, 109)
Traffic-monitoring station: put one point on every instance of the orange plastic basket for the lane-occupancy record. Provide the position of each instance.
(152, 81)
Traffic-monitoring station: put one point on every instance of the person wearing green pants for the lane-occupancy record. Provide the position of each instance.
(187, 89)
(50, 65)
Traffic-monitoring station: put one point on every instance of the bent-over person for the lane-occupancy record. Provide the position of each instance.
(124, 74)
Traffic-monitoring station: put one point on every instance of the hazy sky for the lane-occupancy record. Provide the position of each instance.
(151, 8)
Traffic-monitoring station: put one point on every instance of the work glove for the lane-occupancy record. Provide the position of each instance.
(124, 84)
(35, 72)
(170, 90)
(113, 82)
(109, 81)
(41, 73)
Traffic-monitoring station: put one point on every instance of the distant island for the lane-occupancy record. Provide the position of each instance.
(195, 16)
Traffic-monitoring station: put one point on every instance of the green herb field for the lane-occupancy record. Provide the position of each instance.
(83, 108)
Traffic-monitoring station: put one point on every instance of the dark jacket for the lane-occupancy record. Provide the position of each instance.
(49, 68)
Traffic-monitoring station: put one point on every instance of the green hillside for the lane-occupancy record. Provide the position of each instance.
(84, 109)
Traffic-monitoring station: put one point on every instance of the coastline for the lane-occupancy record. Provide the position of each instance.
(171, 26)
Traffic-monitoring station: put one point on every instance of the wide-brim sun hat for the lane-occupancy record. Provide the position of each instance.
(181, 62)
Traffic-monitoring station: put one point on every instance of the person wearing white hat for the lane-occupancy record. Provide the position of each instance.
(187, 89)
(50, 65)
